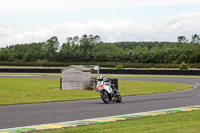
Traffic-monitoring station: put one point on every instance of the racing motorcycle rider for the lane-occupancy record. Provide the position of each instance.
(101, 84)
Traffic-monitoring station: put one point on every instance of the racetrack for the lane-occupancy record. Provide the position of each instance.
(42, 113)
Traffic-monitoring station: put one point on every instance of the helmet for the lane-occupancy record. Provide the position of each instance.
(100, 77)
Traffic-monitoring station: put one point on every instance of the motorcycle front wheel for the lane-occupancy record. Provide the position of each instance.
(105, 96)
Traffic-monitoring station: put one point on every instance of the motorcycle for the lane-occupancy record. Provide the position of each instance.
(108, 91)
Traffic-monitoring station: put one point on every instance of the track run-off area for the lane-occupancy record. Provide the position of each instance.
(55, 112)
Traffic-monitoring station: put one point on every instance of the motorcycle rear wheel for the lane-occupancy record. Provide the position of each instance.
(105, 97)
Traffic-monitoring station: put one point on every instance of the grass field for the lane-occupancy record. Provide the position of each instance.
(184, 122)
(24, 90)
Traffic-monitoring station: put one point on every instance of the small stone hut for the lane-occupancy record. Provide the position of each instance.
(76, 77)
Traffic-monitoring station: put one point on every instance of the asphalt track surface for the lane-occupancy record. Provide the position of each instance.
(43, 113)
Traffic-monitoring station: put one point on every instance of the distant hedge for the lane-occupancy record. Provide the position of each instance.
(101, 64)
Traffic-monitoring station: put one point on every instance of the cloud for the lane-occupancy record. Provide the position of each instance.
(7, 25)
(174, 26)
(161, 30)
(24, 6)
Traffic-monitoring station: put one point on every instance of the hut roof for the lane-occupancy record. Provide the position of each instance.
(78, 67)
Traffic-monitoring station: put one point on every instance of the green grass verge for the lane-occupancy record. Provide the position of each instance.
(111, 75)
(184, 122)
(31, 67)
(30, 74)
(148, 76)
(25, 90)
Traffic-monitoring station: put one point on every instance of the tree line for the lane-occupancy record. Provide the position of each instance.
(89, 48)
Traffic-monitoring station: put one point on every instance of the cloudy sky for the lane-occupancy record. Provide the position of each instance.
(26, 21)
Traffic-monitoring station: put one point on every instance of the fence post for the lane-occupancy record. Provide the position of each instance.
(60, 83)
(94, 84)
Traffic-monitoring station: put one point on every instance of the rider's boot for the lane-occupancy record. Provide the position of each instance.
(115, 91)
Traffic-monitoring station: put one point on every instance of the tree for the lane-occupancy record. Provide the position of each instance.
(195, 39)
(183, 66)
(182, 39)
(51, 46)
(87, 44)
(79, 48)
(105, 52)
(89, 48)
